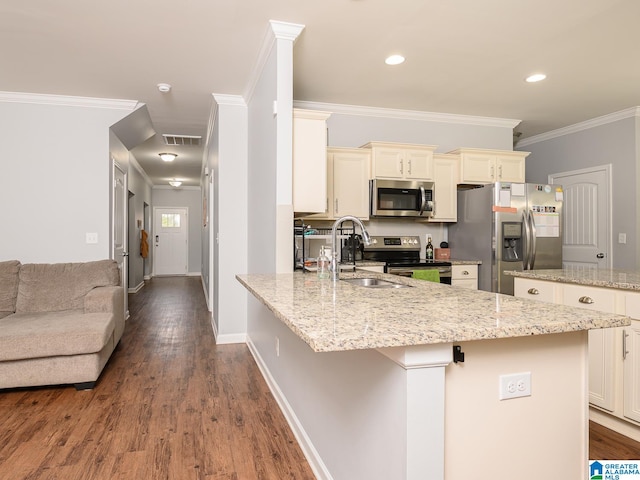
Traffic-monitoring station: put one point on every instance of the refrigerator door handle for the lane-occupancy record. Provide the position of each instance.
(527, 237)
(532, 223)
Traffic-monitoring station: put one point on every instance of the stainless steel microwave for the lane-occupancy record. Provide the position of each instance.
(401, 198)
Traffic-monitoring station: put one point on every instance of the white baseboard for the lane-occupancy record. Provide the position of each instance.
(614, 423)
(311, 454)
(231, 338)
(137, 288)
(147, 277)
(194, 274)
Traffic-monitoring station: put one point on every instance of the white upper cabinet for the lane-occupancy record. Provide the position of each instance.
(481, 166)
(401, 161)
(309, 160)
(446, 173)
(347, 184)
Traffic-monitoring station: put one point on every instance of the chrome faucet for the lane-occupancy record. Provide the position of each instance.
(334, 269)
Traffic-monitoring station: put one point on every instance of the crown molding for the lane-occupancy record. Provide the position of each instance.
(578, 127)
(285, 30)
(276, 31)
(233, 100)
(409, 114)
(68, 101)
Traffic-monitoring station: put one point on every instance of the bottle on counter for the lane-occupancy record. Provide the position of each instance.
(429, 251)
(324, 263)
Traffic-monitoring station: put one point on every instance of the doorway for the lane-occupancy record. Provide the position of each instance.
(587, 219)
(170, 242)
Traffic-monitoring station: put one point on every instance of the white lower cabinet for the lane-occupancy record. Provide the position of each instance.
(614, 353)
(465, 276)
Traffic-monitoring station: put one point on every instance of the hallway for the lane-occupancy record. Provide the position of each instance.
(170, 404)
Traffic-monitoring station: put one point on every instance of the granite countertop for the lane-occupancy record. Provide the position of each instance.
(343, 316)
(602, 277)
(456, 261)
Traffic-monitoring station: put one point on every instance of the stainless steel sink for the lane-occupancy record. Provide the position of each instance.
(374, 283)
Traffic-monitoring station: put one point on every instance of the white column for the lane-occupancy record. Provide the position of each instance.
(425, 388)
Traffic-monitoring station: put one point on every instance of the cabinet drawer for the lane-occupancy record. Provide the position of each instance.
(470, 283)
(588, 297)
(463, 272)
(535, 290)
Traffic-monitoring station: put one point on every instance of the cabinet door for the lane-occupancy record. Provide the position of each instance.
(445, 182)
(309, 160)
(388, 163)
(328, 202)
(477, 168)
(510, 169)
(417, 164)
(351, 184)
(601, 343)
(631, 356)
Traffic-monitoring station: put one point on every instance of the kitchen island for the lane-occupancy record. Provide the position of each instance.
(614, 354)
(367, 378)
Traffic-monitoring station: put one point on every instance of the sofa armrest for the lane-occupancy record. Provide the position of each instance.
(107, 300)
(104, 300)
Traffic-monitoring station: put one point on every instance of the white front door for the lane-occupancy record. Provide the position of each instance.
(587, 226)
(119, 227)
(170, 241)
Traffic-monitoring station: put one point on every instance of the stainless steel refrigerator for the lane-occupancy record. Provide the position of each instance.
(508, 226)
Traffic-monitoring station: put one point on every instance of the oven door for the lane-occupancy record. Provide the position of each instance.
(401, 198)
(407, 271)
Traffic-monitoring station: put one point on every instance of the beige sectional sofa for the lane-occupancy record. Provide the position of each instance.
(59, 323)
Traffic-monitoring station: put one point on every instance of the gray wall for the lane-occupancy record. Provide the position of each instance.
(614, 143)
(189, 197)
(348, 130)
(56, 172)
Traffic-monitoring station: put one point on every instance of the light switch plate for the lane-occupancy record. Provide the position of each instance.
(622, 238)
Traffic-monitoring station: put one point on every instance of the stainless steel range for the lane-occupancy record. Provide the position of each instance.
(401, 255)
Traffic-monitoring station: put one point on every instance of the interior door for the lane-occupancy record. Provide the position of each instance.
(119, 226)
(586, 224)
(170, 241)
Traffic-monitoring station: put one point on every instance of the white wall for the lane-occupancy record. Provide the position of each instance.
(190, 198)
(139, 195)
(615, 143)
(56, 168)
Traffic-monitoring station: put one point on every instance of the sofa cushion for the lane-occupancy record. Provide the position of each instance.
(62, 286)
(37, 335)
(8, 286)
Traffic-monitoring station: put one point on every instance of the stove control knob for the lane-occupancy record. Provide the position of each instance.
(415, 241)
(374, 241)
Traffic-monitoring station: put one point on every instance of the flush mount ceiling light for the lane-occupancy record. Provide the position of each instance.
(394, 60)
(168, 157)
(175, 183)
(164, 87)
(536, 77)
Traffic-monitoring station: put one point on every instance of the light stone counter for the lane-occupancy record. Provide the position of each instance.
(608, 278)
(348, 317)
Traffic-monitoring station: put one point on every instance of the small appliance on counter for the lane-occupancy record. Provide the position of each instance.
(444, 252)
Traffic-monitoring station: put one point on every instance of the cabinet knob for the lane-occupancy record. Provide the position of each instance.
(464, 272)
(585, 299)
(533, 291)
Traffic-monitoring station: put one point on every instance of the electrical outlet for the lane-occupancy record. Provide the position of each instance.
(277, 347)
(515, 385)
(92, 238)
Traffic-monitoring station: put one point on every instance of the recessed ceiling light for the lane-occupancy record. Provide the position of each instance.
(164, 87)
(394, 60)
(536, 77)
(168, 157)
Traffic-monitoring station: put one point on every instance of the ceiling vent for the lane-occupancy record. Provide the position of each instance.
(182, 140)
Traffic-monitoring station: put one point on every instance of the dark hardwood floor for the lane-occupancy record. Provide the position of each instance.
(170, 404)
(605, 444)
